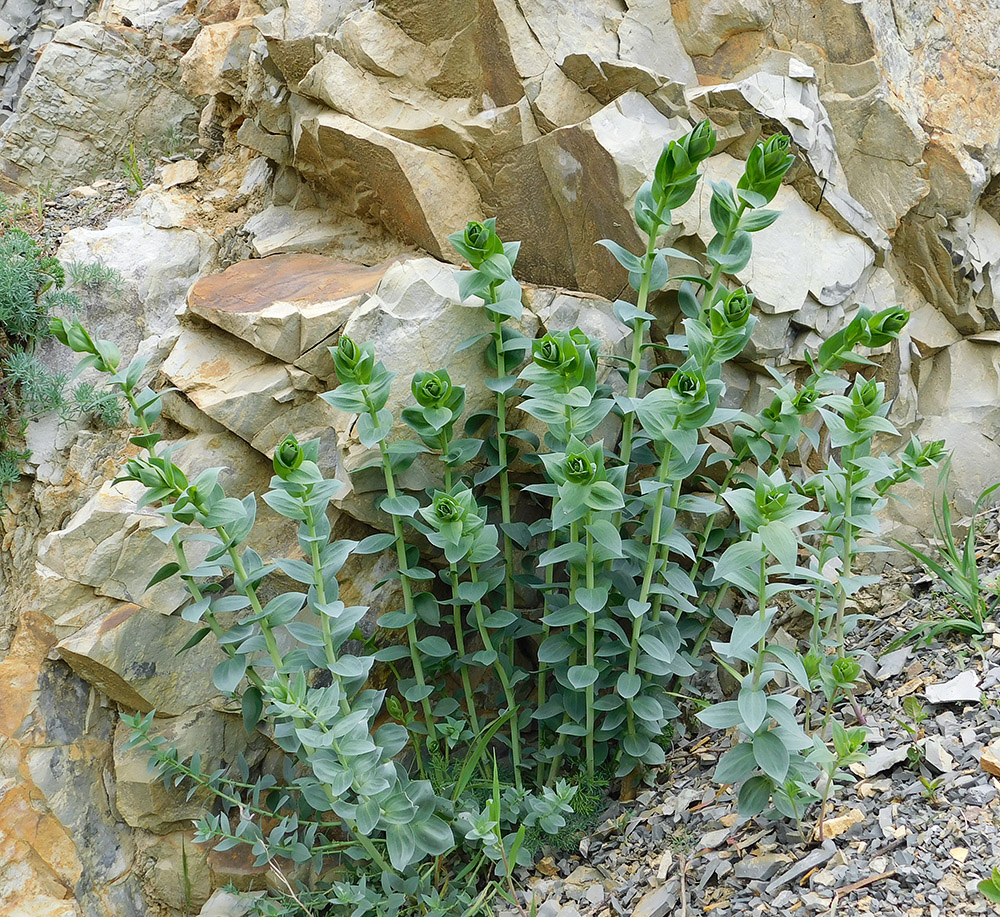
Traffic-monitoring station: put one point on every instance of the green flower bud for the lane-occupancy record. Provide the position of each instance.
(394, 708)
(481, 241)
(287, 457)
(736, 308)
(846, 671)
(766, 166)
(772, 502)
(557, 352)
(805, 400)
(688, 386)
(700, 142)
(580, 468)
(885, 326)
(431, 389)
(866, 398)
(353, 363)
(932, 453)
(447, 509)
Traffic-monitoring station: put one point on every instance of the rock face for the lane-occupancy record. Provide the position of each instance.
(322, 151)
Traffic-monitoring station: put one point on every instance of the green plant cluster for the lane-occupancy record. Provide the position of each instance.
(32, 285)
(574, 604)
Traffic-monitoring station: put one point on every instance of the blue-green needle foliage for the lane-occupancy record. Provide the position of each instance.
(558, 586)
(32, 285)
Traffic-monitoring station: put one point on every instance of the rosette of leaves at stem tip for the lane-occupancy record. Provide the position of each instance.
(583, 484)
(363, 390)
(457, 524)
(492, 274)
(769, 512)
(563, 391)
(439, 405)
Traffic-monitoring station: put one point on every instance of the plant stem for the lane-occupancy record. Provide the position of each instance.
(590, 660)
(638, 338)
(758, 666)
(515, 727)
(647, 578)
(508, 546)
(404, 581)
(715, 279)
(470, 703)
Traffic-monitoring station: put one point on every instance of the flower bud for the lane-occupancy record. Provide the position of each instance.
(580, 468)
(732, 313)
(846, 671)
(556, 352)
(353, 363)
(700, 142)
(287, 457)
(766, 166)
(447, 509)
(431, 389)
(689, 386)
(885, 326)
(866, 398)
(932, 453)
(805, 400)
(481, 241)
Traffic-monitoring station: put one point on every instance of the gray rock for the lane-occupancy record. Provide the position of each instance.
(963, 688)
(891, 664)
(980, 795)
(658, 903)
(883, 759)
(813, 860)
(938, 757)
(760, 868)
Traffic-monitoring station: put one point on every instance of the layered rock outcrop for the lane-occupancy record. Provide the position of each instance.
(330, 146)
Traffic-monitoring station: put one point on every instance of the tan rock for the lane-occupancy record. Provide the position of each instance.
(109, 544)
(289, 306)
(989, 760)
(258, 398)
(182, 172)
(422, 194)
(834, 827)
(131, 655)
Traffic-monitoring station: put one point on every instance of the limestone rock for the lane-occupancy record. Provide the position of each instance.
(423, 194)
(289, 306)
(182, 172)
(109, 545)
(258, 398)
(91, 93)
(156, 265)
(131, 655)
(141, 798)
(279, 229)
(178, 875)
(963, 688)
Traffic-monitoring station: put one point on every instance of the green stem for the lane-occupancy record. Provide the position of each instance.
(590, 660)
(470, 704)
(508, 546)
(758, 666)
(638, 339)
(508, 690)
(715, 280)
(404, 581)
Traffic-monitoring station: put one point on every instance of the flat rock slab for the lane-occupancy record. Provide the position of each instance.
(963, 688)
(285, 305)
(131, 655)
